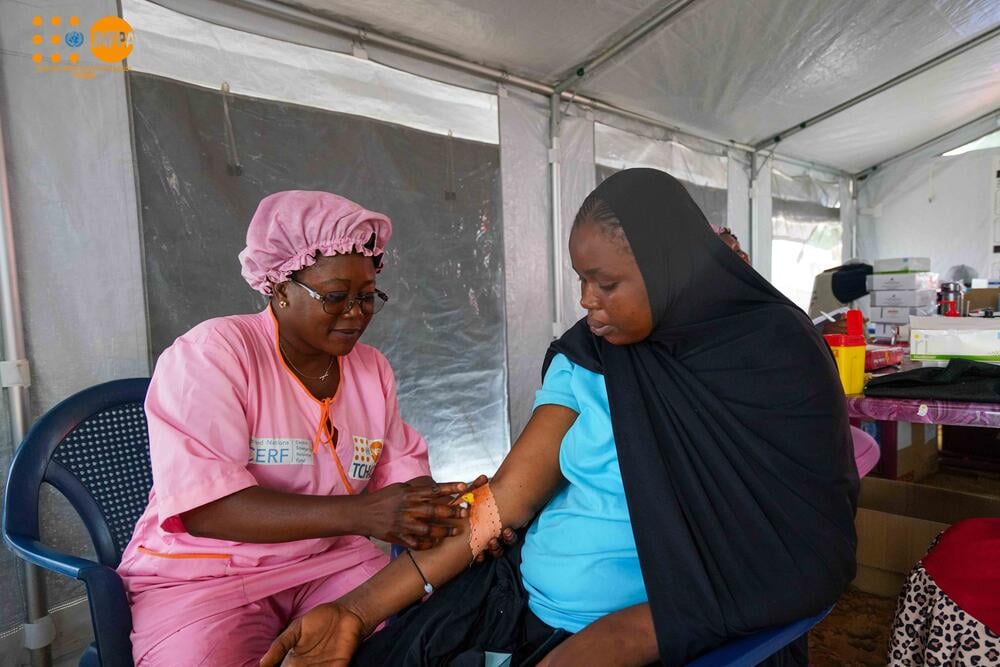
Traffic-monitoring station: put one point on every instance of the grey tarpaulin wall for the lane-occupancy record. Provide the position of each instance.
(443, 330)
(77, 243)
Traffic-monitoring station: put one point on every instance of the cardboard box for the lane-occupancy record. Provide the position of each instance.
(942, 338)
(903, 265)
(904, 298)
(909, 452)
(902, 281)
(983, 298)
(896, 523)
(899, 315)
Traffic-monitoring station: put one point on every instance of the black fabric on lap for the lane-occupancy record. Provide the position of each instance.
(483, 609)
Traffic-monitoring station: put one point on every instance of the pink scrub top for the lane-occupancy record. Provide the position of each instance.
(225, 414)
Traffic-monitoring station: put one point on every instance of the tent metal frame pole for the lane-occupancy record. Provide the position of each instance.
(862, 175)
(895, 81)
(665, 14)
(555, 215)
(302, 17)
(38, 629)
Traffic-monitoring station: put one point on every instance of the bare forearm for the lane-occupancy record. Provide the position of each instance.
(265, 516)
(528, 478)
(399, 585)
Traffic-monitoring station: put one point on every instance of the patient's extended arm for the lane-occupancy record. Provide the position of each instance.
(527, 479)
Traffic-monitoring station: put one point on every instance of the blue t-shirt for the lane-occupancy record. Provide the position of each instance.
(579, 561)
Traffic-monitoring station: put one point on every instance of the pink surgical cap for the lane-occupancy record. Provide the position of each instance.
(290, 228)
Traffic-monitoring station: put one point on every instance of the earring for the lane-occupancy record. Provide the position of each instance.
(283, 304)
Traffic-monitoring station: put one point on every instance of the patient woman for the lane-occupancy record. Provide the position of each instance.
(687, 474)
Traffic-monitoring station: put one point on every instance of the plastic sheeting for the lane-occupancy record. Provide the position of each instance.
(937, 207)
(945, 97)
(750, 73)
(726, 72)
(538, 39)
(524, 168)
(806, 229)
(577, 179)
(796, 183)
(618, 149)
(72, 196)
(187, 49)
(444, 265)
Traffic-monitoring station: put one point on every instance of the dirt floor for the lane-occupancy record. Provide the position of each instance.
(855, 634)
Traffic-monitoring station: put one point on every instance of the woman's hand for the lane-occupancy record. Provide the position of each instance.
(417, 514)
(327, 635)
(496, 546)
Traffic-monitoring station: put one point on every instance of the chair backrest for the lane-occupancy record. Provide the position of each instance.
(94, 449)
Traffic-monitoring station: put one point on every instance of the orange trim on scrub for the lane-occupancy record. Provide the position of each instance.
(150, 552)
(326, 425)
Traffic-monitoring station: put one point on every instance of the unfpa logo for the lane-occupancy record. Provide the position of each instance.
(111, 40)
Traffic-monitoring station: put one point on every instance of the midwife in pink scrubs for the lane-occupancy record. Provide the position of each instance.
(277, 448)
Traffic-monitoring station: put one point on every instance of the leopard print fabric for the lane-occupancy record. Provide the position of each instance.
(931, 630)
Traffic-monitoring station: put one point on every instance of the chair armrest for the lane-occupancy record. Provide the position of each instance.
(46, 557)
(109, 607)
(110, 614)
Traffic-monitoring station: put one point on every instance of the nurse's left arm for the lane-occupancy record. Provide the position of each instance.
(623, 639)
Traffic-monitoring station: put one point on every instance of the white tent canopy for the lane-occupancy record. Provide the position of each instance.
(743, 72)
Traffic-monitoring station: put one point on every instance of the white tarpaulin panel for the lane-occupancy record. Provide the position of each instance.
(721, 70)
(937, 207)
(747, 72)
(524, 168)
(620, 150)
(539, 39)
(186, 49)
(931, 103)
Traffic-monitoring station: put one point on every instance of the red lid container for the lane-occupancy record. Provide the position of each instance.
(855, 332)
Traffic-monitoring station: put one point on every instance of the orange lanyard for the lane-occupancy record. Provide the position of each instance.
(325, 428)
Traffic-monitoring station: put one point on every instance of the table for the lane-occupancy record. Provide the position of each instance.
(889, 411)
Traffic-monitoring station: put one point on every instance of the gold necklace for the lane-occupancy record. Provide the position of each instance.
(322, 377)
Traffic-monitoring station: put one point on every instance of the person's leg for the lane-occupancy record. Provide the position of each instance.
(329, 588)
(235, 638)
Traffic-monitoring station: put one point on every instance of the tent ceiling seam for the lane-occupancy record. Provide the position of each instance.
(864, 174)
(981, 38)
(671, 10)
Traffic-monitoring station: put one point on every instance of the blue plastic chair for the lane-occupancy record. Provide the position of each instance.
(94, 449)
(756, 648)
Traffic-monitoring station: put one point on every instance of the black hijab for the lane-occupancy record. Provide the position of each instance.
(731, 429)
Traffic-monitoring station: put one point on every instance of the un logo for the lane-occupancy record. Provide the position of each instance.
(74, 39)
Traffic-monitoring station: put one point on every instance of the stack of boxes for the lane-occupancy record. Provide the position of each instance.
(900, 288)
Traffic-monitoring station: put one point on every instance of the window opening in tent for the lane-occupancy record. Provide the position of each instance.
(991, 140)
(807, 239)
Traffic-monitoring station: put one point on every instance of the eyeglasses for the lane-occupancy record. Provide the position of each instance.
(341, 303)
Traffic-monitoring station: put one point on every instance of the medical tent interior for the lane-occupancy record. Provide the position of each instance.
(814, 129)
